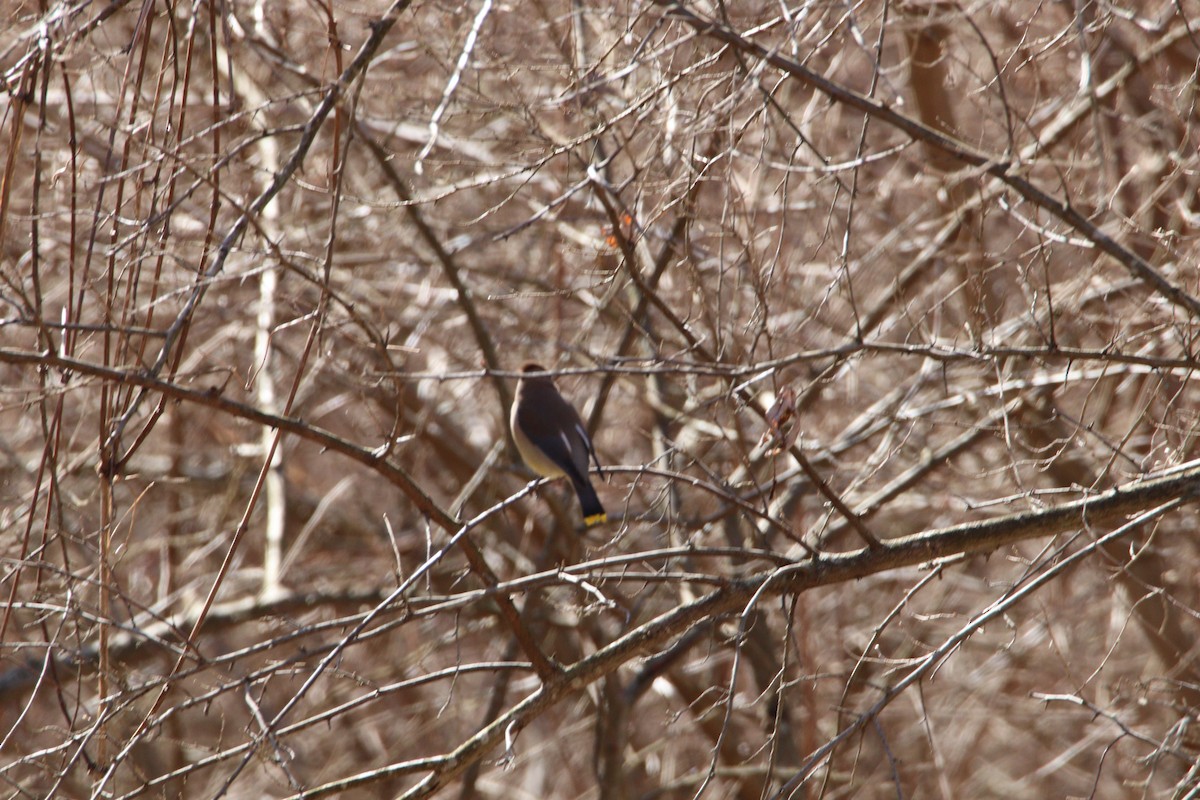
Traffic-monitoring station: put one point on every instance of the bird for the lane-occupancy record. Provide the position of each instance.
(552, 440)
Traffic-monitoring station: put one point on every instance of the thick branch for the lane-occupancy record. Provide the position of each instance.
(905, 551)
(1001, 168)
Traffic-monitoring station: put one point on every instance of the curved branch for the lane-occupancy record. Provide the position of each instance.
(329, 101)
(1180, 486)
(999, 168)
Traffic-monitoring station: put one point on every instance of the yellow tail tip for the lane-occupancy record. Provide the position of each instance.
(595, 519)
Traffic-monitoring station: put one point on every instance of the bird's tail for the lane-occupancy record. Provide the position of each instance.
(589, 503)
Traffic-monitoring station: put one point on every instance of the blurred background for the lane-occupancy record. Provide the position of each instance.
(270, 268)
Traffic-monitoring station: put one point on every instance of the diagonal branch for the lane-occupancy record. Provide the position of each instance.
(330, 100)
(1002, 169)
(1139, 497)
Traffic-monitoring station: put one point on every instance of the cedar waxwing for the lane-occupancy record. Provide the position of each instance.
(552, 440)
